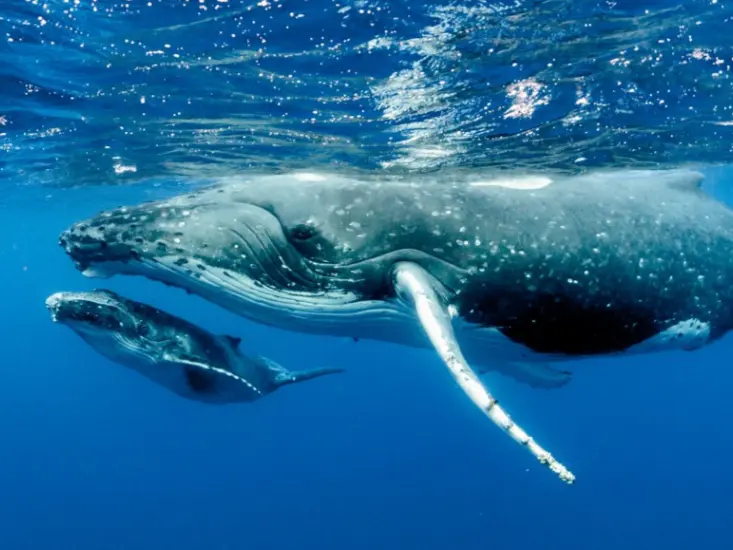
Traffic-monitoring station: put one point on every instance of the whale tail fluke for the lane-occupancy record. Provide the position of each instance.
(281, 376)
(290, 377)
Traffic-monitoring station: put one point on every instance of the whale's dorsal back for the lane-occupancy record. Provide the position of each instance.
(231, 341)
(686, 180)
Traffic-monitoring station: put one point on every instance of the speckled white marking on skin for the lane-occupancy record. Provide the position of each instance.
(521, 182)
(308, 176)
(686, 335)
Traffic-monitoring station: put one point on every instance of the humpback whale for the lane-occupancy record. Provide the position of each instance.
(509, 273)
(170, 351)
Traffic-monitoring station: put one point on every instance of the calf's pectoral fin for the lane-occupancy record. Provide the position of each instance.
(195, 373)
(416, 286)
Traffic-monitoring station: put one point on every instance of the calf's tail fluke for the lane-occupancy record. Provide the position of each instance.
(282, 376)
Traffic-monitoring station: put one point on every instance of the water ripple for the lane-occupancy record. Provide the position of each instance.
(105, 92)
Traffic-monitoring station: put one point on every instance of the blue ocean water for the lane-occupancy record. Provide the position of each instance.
(106, 103)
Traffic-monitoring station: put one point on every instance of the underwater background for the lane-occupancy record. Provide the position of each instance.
(108, 103)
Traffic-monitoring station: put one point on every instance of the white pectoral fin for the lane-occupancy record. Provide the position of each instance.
(414, 285)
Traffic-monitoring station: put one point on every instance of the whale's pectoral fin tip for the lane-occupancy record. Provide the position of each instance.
(416, 286)
(538, 375)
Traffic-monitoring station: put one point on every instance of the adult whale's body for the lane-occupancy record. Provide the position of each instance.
(524, 270)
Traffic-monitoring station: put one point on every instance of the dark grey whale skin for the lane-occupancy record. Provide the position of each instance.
(587, 265)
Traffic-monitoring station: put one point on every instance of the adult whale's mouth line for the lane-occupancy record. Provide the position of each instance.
(327, 304)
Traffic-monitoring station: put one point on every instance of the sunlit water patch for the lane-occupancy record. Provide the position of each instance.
(102, 92)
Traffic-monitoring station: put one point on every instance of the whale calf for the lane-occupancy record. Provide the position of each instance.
(171, 351)
(510, 273)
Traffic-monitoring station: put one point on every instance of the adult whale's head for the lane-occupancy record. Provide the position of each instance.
(302, 242)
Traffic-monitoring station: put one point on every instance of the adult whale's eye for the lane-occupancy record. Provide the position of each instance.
(303, 232)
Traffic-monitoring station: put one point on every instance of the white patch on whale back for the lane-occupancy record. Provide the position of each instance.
(308, 176)
(518, 182)
(95, 272)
